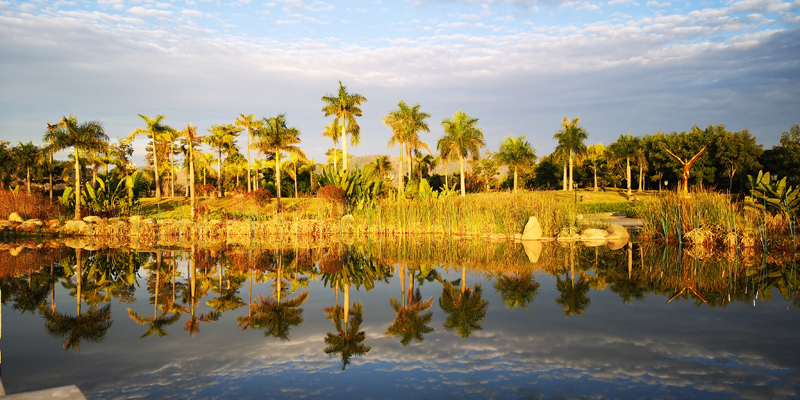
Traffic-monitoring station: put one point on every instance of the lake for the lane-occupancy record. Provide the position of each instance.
(412, 317)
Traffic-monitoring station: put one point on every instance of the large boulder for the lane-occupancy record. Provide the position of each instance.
(617, 231)
(34, 221)
(533, 230)
(14, 217)
(92, 219)
(593, 233)
(75, 228)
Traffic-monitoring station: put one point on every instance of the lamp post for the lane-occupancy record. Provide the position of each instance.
(666, 184)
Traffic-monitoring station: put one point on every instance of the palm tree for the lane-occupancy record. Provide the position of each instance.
(190, 140)
(570, 140)
(516, 153)
(249, 123)
(425, 163)
(627, 147)
(465, 308)
(348, 341)
(222, 137)
(27, 156)
(87, 136)
(333, 132)
(595, 154)
(346, 107)
(276, 317)
(275, 136)
(406, 123)
(170, 137)
(517, 291)
(154, 130)
(573, 295)
(48, 138)
(381, 167)
(309, 166)
(295, 159)
(462, 137)
(206, 160)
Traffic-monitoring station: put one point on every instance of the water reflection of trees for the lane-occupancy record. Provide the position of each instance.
(217, 278)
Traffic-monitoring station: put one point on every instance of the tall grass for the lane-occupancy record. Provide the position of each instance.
(471, 215)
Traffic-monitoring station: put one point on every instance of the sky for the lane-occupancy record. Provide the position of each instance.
(517, 65)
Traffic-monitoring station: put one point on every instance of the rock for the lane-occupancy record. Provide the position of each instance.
(586, 198)
(617, 231)
(76, 228)
(26, 227)
(593, 242)
(34, 221)
(593, 233)
(14, 217)
(533, 249)
(533, 230)
(92, 219)
(497, 237)
(53, 222)
(616, 244)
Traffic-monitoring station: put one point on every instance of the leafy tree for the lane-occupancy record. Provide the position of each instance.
(738, 152)
(547, 172)
(570, 143)
(462, 138)
(784, 160)
(516, 153)
(517, 291)
(333, 132)
(573, 296)
(346, 107)
(27, 156)
(626, 148)
(465, 308)
(223, 137)
(275, 137)
(154, 129)
(87, 136)
(249, 123)
(381, 167)
(595, 156)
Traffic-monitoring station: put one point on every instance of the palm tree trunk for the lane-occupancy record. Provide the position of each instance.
(155, 168)
(401, 178)
(730, 184)
(344, 146)
(249, 171)
(346, 305)
(595, 178)
(77, 186)
(78, 278)
(565, 176)
(311, 175)
(295, 179)
(402, 273)
(515, 179)
(171, 171)
(461, 162)
(335, 160)
(445, 174)
(463, 279)
(28, 181)
(51, 187)
(278, 177)
(219, 168)
(571, 185)
(628, 171)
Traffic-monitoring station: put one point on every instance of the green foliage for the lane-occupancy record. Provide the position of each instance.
(110, 196)
(360, 189)
(777, 197)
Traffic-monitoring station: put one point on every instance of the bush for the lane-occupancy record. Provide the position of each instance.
(331, 194)
(27, 206)
(204, 190)
(260, 196)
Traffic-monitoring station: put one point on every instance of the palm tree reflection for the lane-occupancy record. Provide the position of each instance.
(465, 309)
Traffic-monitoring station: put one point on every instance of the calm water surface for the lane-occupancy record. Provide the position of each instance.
(426, 319)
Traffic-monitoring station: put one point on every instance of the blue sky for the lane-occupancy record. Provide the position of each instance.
(517, 65)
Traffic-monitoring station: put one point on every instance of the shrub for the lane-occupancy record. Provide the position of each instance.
(331, 194)
(27, 206)
(260, 196)
(204, 190)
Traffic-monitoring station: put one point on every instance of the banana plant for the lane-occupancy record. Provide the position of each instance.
(777, 197)
(360, 189)
(111, 196)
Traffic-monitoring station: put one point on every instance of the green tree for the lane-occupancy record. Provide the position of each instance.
(406, 122)
(154, 129)
(190, 140)
(223, 137)
(381, 167)
(570, 142)
(27, 156)
(462, 138)
(626, 148)
(738, 152)
(87, 136)
(516, 153)
(408, 323)
(465, 308)
(348, 341)
(595, 154)
(518, 290)
(275, 137)
(249, 123)
(346, 107)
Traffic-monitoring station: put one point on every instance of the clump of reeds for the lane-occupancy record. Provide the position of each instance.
(709, 218)
(32, 205)
(471, 215)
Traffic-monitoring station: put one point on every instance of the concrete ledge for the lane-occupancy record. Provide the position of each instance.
(70, 392)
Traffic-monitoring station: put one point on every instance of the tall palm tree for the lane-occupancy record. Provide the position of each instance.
(154, 129)
(275, 136)
(295, 163)
(333, 132)
(518, 290)
(249, 123)
(170, 137)
(346, 107)
(48, 138)
(382, 166)
(190, 140)
(425, 163)
(570, 140)
(223, 137)
(595, 154)
(408, 324)
(516, 153)
(87, 136)
(462, 138)
(627, 147)
(310, 165)
(406, 123)
(27, 156)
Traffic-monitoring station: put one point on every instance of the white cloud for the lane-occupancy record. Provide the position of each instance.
(142, 12)
(27, 7)
(580, 5)
(115, 4)
(193, 13)
(615, 2)
(654, 3)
